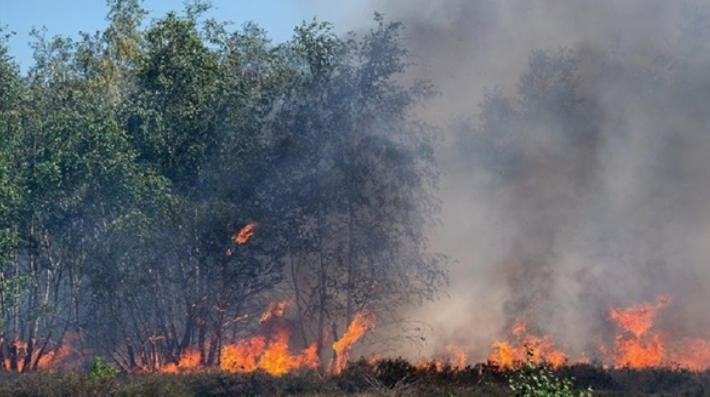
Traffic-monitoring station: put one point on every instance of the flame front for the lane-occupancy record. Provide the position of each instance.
(188, 362)
(456, 359)
(272, 355)
(692, 354)
(508, 354)
(637, 346)
(243, 356)
(362, 322)
(62, 354)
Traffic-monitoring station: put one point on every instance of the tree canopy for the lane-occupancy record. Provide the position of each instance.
(130, 157)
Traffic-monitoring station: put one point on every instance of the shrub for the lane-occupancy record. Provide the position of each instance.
(102, 371)
(538, 380)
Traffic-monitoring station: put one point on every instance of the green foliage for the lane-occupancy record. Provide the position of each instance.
(102, 370)
(356, 178)
(538, 380)
(131, 155)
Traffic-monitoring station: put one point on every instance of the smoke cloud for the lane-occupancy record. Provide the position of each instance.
(558, 219)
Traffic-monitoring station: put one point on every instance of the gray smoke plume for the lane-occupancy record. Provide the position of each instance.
(596, 199)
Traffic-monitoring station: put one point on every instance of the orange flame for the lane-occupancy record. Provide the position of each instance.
(362, 322)
(188, 362)
(638, 347)
(638, 344)
(457, 360)
(639, 352)
(277, 360)
(692, 354)
(243, 356)
(460, 357)
(59, 355)
(638, 319)
(271, 355)
(244, 234)
(509, 354)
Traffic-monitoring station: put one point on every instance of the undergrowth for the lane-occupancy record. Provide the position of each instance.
(386, 378)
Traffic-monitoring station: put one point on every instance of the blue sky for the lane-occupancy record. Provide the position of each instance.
(68, 17)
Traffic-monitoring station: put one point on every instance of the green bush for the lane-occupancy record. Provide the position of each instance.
(103, 371)
(538, 380)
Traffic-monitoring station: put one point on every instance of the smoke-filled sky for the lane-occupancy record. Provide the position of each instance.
(579, 210)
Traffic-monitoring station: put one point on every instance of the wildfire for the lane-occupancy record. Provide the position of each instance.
(362, 322)
(638, 319)
(277, 360)
(456, 360)
(243, 236)
(637, 346)
(508, 354)
(189, 361)
(59, 355)
(272, 355)
(692, 354)
(243, 356)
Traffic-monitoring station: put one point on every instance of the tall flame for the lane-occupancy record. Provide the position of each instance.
(362, 322)
(243, 356)
(638, 347)
(638, 319)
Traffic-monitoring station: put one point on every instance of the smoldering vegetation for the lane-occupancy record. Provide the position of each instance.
(570, 139)
(575, 166)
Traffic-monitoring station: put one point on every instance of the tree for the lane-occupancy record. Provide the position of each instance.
(356, 179)
(131, 158)
(195, 118)
(12, 283)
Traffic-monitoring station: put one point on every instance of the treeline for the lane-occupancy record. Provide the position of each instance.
(129, 157)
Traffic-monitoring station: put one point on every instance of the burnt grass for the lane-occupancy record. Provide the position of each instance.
(386, 378)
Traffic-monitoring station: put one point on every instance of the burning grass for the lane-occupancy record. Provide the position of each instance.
(637, 344)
